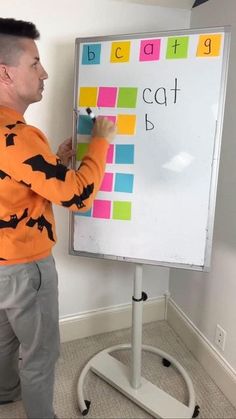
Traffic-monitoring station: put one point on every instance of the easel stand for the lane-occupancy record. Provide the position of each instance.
(145, 394)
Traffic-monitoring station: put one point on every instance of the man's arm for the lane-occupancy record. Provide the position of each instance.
(30, 160)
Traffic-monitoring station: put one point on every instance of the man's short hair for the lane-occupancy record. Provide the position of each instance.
(12, 32)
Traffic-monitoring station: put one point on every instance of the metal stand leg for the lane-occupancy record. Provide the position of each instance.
(137, 321)
(148, 396)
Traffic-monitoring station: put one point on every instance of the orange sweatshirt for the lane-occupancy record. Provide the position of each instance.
(31, 179)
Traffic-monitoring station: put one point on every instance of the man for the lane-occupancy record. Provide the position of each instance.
(31, 178)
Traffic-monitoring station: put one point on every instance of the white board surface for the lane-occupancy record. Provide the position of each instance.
(166, 91)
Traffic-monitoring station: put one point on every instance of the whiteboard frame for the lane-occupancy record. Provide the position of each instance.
(217, 141)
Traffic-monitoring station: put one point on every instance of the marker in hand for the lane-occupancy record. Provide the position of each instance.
(91, 114)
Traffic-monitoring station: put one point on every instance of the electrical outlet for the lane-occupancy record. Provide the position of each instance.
(220, 337)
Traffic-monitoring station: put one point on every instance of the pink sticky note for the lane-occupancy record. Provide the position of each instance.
(101, 208)
(107, 97)
(150, 50)
(110, 154)
(111, 118)
(107, 182)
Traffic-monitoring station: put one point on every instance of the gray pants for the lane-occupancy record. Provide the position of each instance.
(29, 319)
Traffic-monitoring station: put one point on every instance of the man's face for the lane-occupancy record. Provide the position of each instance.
(28, 75)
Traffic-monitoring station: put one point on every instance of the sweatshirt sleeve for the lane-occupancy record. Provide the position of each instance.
(31, 161)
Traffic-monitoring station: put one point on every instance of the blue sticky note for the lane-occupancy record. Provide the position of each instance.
(91, 54)
(124, 154)
(85, 214)
(124, 182)
(84, 125)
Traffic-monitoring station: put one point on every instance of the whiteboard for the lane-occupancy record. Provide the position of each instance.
(166, 92)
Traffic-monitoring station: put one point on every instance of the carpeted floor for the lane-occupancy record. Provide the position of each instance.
(106, 402)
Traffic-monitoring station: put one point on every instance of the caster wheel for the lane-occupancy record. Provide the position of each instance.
(196, 411)
(165, 362)
(85, 411)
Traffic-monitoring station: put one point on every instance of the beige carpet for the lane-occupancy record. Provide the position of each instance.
(106, 402)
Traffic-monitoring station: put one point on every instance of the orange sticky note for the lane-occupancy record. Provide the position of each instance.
(126, 124)
(120, 52)
(209, 45)
(88, 96)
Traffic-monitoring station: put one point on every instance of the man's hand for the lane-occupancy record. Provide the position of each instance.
(65, 151)
(104, 128)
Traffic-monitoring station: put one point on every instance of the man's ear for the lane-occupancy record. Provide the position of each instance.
(4, 74)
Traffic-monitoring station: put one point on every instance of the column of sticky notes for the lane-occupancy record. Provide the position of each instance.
(118, 154)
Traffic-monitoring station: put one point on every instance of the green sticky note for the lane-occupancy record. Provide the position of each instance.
(121, 210)
(127, 97)
(82, 149)
(177, 47)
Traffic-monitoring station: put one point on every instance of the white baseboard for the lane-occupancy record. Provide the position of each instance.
(216, 366)
(108, 319)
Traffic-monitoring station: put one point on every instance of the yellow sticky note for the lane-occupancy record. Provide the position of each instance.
(120, 52)
(209, 45)
(88, 96)
(126, 124)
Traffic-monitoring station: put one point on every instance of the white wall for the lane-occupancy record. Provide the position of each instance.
(85, 284)
(208, 299)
